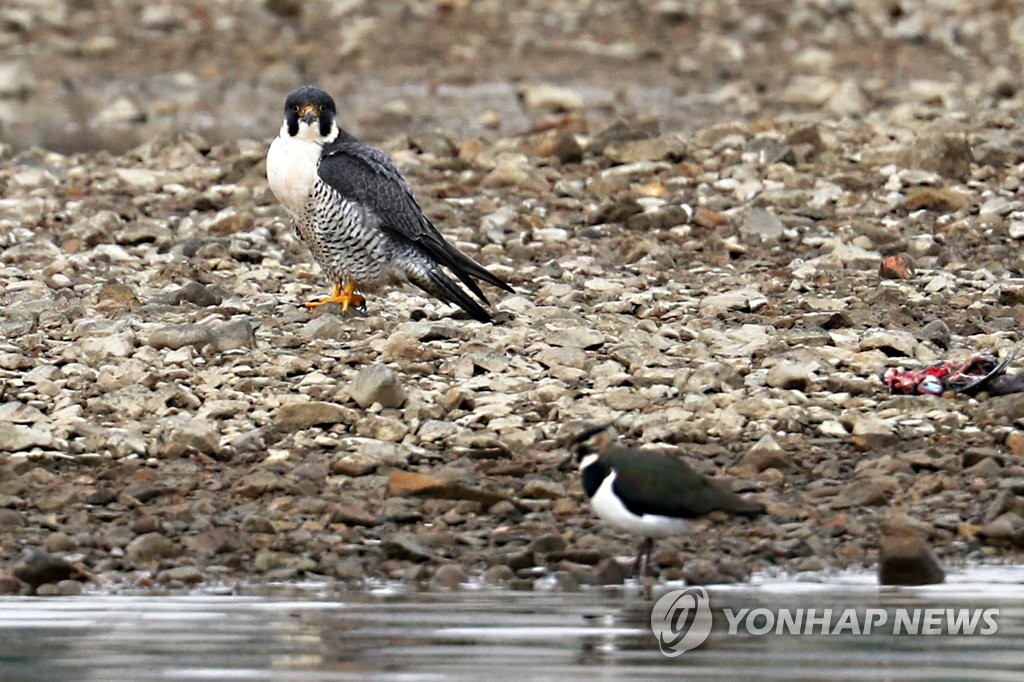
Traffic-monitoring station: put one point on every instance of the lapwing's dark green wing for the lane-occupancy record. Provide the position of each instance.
(654, 483)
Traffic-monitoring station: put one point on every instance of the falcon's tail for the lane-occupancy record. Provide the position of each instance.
(465, 268)
(439, 285)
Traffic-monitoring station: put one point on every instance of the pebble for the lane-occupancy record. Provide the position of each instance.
(766, 454)
(294, 416)
(178, 336)
(377, 383)
(233, 335)
(17, 437)
(789, 375)
(540, 489)
(150, 547)
(608, 572)
(761, 225)
(449, 577)
(10, 518)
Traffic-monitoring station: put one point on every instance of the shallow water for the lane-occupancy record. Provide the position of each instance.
(311, 633)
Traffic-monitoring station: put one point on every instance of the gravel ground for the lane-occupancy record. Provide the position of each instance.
(691, 199)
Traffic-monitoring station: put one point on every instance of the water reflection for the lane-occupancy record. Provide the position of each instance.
(310, 632)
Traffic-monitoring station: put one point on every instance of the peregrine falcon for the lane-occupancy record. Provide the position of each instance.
(357, 214)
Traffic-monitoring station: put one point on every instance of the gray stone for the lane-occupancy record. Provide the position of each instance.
(294, 416)
(16, 437)
(666, 147)
(789, 375)
(449, 577)
(180, 335)
(947, 154)
(193, 292)
(936, 331)
(150, 547)
(355, 464)
(766, 454)
(540, 489)
(377, 383)
(324, 327)
(550, 96)
(860, 493)
(10, 518)
(761, 225)
(182, 435)
(234, 335)
(68, 588)
(405, 546)
(16, 412)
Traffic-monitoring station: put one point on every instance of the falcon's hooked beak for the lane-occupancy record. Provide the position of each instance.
(309, 113)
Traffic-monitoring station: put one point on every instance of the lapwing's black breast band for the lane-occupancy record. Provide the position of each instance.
(592, 476)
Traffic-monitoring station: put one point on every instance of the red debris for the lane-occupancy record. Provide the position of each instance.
(980, 372)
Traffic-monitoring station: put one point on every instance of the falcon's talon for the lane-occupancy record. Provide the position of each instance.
(347, 297)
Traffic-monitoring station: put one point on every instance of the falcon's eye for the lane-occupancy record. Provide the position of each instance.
(295, 108)
(322, 107)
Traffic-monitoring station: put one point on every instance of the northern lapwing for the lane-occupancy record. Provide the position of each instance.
(648, 493)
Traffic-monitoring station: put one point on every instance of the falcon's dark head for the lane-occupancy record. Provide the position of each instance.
(310, 111)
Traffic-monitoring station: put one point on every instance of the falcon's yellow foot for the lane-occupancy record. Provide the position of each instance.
(347, 297)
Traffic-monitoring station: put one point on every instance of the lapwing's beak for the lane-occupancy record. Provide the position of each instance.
(309, 113)
(584, 443)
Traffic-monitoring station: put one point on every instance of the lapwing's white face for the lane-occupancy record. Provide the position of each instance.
(587, 461)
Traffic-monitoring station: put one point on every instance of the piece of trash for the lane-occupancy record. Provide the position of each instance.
(899, 266)
(981, 372)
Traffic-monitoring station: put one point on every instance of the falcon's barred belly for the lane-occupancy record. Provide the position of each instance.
(357, 214)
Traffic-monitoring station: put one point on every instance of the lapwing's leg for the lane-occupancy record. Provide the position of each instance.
(646, 585)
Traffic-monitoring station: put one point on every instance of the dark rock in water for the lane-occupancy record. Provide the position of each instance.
(9, 584)
(406, 546)
(40, 567)
(517, 560)
(68, 588)
(449, 577)
(497, 575)
(609, 572)
(548, 544)
(704, 572)
(904, 558)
